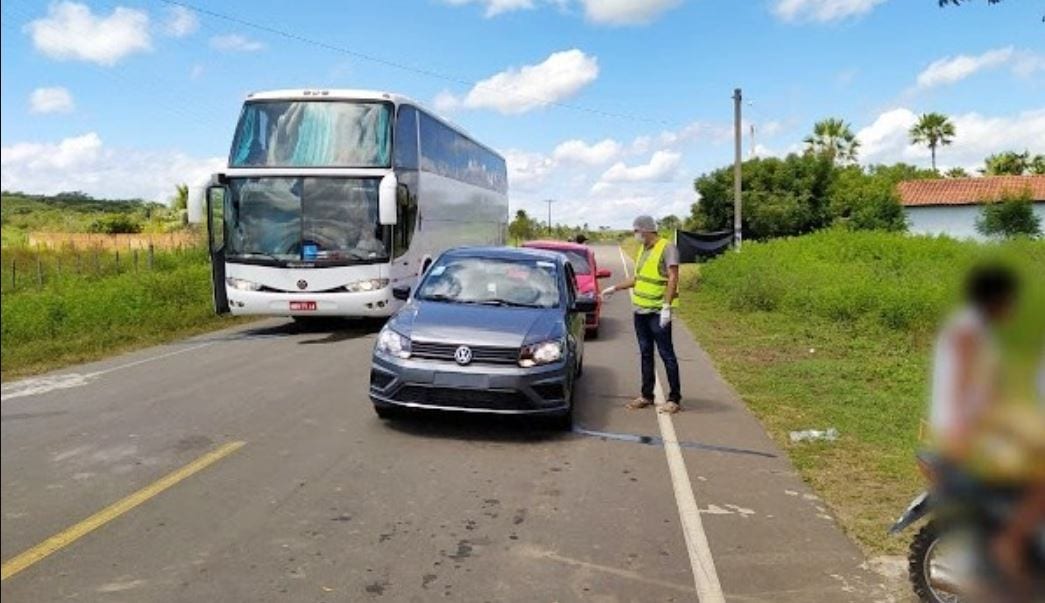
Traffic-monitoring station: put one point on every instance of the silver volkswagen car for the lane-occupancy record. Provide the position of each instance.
(488, 330)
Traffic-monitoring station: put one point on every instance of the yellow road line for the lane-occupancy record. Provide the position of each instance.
(74, 533)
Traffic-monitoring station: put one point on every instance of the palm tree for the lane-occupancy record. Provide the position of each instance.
(933, 129)
(956, 172)
(833, 138)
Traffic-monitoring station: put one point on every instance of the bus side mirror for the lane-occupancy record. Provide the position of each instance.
(216, 216)
(386, 200)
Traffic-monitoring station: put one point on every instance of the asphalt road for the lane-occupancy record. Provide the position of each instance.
(322, 501)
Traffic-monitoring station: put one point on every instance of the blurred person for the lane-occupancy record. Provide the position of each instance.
(982, 442)
(654, 295)
(368, 245)
(580, 239)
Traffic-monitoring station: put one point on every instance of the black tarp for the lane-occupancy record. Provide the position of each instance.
(695, 246)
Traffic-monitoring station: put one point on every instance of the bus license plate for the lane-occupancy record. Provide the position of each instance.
(302, 306)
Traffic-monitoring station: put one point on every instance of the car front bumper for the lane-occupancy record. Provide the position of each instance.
(477, 388)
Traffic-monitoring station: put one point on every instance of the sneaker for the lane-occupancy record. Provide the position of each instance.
(670, 408)
(639, 403)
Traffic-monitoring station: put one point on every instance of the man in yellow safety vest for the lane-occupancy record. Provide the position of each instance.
(654, 296)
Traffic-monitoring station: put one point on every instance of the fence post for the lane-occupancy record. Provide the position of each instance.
(97, 263)
(135, 259)
(117, 260)
(58, 265)
(77, 254)
(39, 270)
(150, 255)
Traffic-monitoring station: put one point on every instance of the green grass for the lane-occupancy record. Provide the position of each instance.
(74, 318)
(834, 329)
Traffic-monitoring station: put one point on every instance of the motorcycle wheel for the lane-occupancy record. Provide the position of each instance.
(920, 558)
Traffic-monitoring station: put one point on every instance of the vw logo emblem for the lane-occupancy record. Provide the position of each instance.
(463, 355)
(302, 284)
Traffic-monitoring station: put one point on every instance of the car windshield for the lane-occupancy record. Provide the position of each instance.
(316, 220)
(312, 134)
(508, 282)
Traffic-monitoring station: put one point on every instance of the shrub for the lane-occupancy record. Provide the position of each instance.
(1010, 216)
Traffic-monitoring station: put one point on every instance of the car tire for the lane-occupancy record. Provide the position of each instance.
(593, 333)
(386, 412)
(562, 422)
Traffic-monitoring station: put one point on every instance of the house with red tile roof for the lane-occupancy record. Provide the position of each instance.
(951, 206)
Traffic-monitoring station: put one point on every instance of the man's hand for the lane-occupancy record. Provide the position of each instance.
(608, 292)
(665, 316)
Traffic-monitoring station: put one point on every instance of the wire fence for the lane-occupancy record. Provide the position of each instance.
(35, 268)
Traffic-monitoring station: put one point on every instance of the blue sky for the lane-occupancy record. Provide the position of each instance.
(127, 98)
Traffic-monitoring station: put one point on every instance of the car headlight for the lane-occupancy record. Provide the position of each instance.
(393, 344)
(242, 284)
(544, 352)
(368, 285)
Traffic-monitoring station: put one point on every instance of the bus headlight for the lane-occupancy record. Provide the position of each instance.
(368, 285)
(544, 352)
(242, 284)
(393, 344)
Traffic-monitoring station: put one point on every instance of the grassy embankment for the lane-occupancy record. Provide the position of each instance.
(100, 311)
(835, 330)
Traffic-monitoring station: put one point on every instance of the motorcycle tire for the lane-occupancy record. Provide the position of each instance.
(920, 548)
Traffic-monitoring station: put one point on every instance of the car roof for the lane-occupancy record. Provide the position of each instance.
(506, 253)
(558, 245)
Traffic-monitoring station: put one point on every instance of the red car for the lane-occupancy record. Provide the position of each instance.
(582, 258)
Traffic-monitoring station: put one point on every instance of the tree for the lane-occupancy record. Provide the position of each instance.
(1037, 165)
(523, 227)
(834, 139)
(869, 201)
(1008, 163)
(669, 223)
(1010, 216)
(956, 172)
(180, 200)
(934, 130)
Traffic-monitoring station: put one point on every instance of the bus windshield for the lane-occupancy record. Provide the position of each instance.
(324, 221)
(313, 134)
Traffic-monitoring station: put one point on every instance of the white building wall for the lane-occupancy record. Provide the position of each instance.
(956, 221)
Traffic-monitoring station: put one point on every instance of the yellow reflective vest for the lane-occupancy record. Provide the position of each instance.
(650, 287)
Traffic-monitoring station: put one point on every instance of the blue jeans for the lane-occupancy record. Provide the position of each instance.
(650, 333)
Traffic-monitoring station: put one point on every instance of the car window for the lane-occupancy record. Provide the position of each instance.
(492, 281)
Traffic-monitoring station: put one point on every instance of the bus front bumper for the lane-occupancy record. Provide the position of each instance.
(269, 303)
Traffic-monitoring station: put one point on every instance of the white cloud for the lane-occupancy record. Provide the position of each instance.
(72, 31)
(496, 7)
(950, 70)
(518, 90)
(886, 139)
(527, 171)
(181, 22)
(84, 163)
(626, 12)
(235, 43)
(578, 151)
(822, 10)
(51, 100)
(661, 168)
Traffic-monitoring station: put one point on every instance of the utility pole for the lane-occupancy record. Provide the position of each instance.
(549, 202)
(737, 135)
(752, 141)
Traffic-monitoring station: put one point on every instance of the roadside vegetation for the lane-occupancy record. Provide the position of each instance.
(68, 305)
(834, 329)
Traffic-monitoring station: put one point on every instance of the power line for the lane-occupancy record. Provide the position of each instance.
(405, 67)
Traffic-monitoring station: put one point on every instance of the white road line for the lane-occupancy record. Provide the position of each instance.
(42, 385)
(705, 578)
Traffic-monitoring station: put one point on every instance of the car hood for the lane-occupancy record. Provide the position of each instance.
(477, 325)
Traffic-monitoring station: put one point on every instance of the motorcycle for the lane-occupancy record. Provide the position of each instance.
(949, 559)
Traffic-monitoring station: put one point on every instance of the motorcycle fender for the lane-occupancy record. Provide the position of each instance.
(918, 509)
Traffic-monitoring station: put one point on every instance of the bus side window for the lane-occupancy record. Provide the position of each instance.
(406, 163)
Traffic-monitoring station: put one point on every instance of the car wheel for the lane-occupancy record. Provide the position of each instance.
(593, 333)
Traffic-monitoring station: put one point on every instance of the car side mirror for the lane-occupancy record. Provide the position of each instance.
(386, 200)
(401, 292)
(603, 273)
(583, 304)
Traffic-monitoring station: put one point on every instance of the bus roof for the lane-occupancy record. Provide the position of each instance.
(362, 95)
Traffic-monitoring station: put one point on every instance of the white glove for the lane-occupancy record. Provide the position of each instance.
(608, 292)
(665, 316)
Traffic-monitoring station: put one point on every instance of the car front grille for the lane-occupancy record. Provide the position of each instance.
(380, 379)
(463, 398)
(549, 391)
(480, 354)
